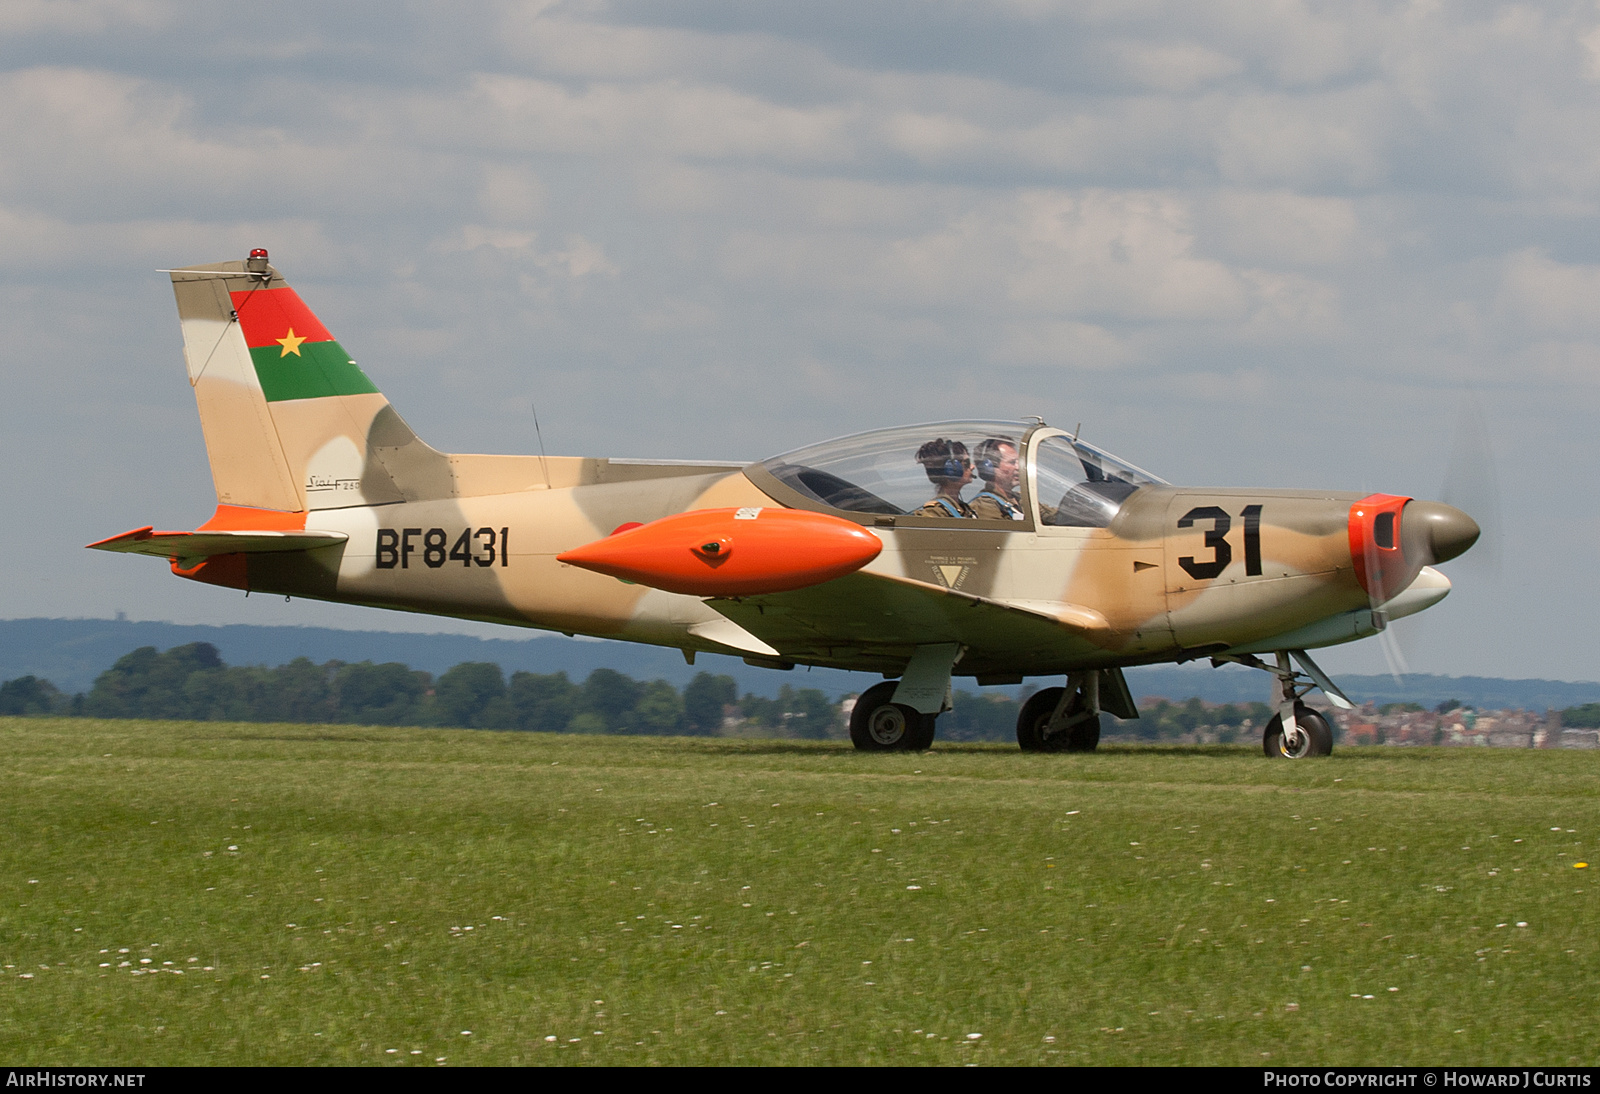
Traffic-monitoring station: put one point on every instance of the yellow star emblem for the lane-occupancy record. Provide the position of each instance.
(290, 343)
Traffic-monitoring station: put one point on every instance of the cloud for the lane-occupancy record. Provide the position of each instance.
(1551, 297)
(703, 229)
(19, 17)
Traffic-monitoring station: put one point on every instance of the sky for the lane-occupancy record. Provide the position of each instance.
(1343, 246)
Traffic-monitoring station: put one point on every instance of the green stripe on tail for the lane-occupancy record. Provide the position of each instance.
(318, 370)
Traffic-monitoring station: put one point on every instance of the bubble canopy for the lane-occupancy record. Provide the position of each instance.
(945, 470)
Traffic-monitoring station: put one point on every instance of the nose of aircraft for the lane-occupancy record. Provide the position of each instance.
(1448, 531)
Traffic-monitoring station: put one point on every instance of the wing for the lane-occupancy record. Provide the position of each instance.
(874, 621)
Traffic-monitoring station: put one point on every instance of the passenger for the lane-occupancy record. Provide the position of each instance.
(949, 469)
(997, 467)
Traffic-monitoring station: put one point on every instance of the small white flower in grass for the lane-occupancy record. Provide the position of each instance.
(913, 886)
(1394, 989)
(466, 1033)
(974, 1036)
(1522, 923)
(551, 1037)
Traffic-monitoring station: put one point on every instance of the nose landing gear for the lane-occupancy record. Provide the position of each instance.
(1311, 735)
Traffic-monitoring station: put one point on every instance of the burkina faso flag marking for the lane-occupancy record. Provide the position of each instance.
(294, 355)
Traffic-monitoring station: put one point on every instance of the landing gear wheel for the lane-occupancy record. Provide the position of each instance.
(1035, 716)
(1315, 736)
(879, 725)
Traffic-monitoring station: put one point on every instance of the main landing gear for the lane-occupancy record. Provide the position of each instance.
(1068, 719)
(899, 716)
(878, 724)
(1058, 720)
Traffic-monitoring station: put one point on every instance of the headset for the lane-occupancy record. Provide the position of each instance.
(989, 458)
(944, 459)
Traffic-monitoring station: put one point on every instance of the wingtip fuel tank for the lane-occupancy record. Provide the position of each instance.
(731, 552)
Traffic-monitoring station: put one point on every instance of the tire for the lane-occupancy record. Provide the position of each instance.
(1316, 741)
(1031, 721)
(1083, 737)
(879, 725)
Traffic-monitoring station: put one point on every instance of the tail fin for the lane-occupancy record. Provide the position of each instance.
(290, 421)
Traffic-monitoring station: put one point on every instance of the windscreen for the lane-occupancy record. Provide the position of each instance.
(1079, 486)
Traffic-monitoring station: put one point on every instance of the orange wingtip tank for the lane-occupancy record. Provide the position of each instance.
(731, 552)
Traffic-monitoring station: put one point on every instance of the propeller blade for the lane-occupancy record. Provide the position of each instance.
(1472, 481)
(1393, 655)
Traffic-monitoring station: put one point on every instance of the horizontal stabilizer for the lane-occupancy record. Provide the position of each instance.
(196, 545)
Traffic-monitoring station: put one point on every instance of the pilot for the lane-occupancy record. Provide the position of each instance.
(997, 467)
(949, 468)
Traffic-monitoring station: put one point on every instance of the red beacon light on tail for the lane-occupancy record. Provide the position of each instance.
(257, 262)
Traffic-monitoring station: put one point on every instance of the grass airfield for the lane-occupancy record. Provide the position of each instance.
(212, 893)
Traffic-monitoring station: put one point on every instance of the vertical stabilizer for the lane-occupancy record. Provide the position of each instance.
(247, 461)
(290, 421)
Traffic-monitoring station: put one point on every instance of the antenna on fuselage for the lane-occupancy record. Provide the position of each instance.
(539, 434)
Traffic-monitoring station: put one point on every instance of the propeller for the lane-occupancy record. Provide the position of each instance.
(1472, 482)
(1432, 532)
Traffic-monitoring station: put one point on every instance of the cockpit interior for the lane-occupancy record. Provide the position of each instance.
(1011, 475)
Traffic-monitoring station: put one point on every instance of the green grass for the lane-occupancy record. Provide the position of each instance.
(331, 893)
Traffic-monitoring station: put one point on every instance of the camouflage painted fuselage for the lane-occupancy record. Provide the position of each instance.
(299, 439)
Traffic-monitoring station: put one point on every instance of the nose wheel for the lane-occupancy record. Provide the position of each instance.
(1311, 735)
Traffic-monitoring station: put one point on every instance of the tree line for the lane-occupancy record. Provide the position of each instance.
(193, 683)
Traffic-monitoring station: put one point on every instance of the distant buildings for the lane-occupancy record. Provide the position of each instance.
(1393, 724)
(1462, 726)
